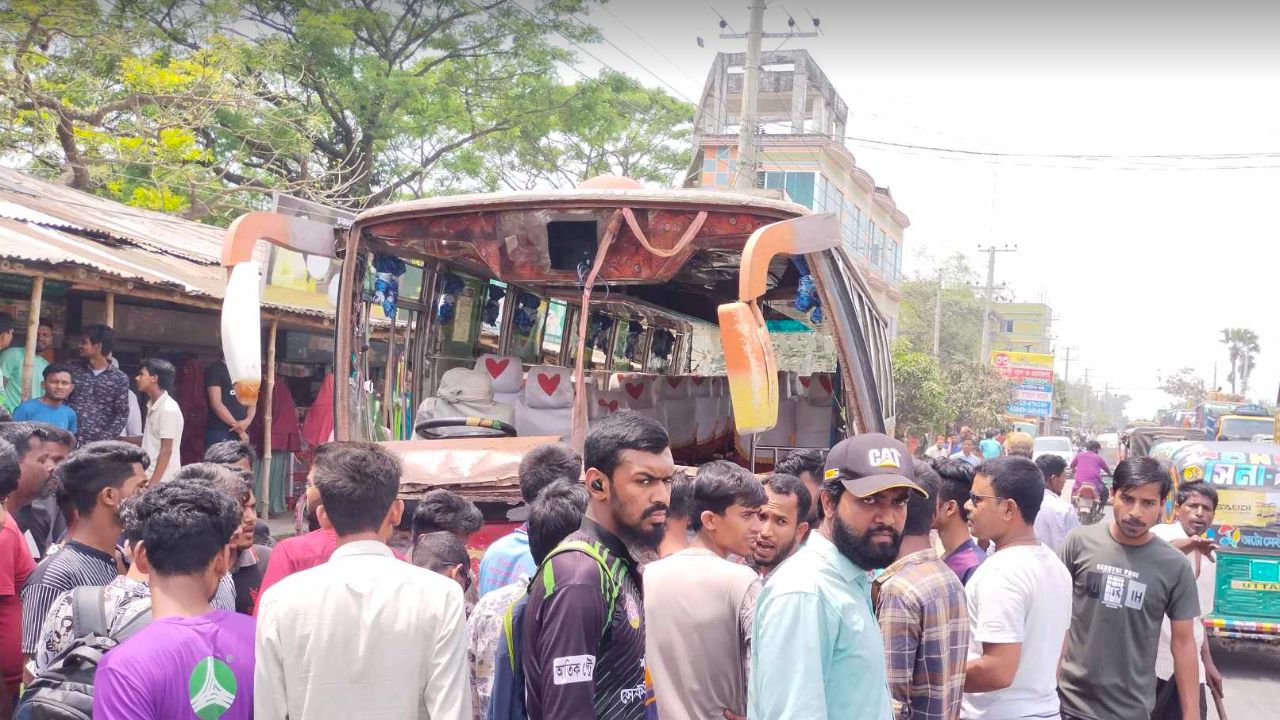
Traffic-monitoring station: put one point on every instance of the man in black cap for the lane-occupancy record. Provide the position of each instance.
(813, 617)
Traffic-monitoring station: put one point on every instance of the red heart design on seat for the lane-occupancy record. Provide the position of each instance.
(699, 380)
(496, 367)
(635, 390)
(674, 382)
(549, 383)
(805, 382)
(826, 382)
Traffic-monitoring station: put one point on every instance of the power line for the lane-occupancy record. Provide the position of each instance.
(673, 63)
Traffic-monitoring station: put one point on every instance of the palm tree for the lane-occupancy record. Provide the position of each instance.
(1242, 345)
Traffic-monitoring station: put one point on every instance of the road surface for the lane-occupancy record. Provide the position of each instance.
(1252, 682)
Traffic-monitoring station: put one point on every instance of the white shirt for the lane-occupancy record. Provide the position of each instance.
(934, 452)
(1021, 594)
(1055, 520)
(362, 636)
(164, 422)
(1205, 583)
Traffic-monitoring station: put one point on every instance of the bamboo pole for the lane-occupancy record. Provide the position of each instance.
(33, 327)
(111, 310)
(266, 417)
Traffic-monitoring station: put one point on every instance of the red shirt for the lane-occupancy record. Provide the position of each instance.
(298, 553)
(15, 565)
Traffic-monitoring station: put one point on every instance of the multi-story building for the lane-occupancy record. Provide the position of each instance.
(1022, 327)
(801, 152)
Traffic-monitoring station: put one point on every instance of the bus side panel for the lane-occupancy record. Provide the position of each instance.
(1248, 587)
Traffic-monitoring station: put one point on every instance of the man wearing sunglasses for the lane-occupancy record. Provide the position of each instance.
(1019, 599)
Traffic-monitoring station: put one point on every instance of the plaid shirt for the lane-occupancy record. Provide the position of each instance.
(924, 620)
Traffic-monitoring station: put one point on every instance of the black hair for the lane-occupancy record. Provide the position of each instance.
(1050, 465)
(544, 465)
(440, 550)
(21, 435)
(10, 469)
(59, 436)
(1138, 471)
(1198, 487)
(1017, 479)
(681, 495)
(45, 323)
(1093, 446)
(229, 452)
(185, 524)
(163, 370)
(556, 512)
(234, 481)
(956, 482)
(95, 467)
(358, 484)
(6, 323)
(441, 509)
(55, 368)
(101, 335)
(622, 431)
(129, 519)
(812, 461)
(991, 434)
(720, 484)
(921, 509)
(785, 484)
(5, 417)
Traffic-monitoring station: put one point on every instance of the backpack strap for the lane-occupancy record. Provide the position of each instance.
(88, 610)
(610, 573)
(138, 622)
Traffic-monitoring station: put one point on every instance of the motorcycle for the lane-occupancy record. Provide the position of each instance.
(1088, 505)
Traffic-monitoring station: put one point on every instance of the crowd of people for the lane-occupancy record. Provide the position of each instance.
(855, 583)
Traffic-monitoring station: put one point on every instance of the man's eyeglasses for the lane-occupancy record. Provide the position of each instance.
(977, 499)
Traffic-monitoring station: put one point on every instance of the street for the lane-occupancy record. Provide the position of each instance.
(1252, 684)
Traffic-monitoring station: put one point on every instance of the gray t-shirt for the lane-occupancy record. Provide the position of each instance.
(698, 614)
(1121, 595)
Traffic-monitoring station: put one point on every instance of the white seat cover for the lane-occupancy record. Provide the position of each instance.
(640, 393)
(706, 413)
(679, 410)
(506, 373)
(724, 417)
(816, 413)
(780, 435)
(603, 403)
(546, 406)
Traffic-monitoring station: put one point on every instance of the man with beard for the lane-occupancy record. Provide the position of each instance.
(806, 464)
(783, 526)
(1018, 599)
(920, 604)
(583, 633)
(1197, 504)
(1126, 582)
(816, 650)
(698, 634)
(98, 477)
(32, 508)
(51, 406)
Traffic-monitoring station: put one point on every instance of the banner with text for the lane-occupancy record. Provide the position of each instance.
(1032, 378)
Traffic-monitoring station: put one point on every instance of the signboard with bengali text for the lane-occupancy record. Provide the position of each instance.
(1032, 376)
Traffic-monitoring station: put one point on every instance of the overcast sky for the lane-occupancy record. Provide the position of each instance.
(1143, 267)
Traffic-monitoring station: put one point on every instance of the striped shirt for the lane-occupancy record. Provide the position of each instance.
(74, 565)
(924, 620)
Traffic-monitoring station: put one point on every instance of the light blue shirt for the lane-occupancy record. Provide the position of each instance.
(814, 621)
(990, 448)
(36, 411)
(506, 560)
(974, 460)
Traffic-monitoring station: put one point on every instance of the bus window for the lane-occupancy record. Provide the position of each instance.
(494, 302)
(553, 334)
(628, 346)
(527, 321)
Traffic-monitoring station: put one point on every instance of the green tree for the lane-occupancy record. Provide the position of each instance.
(1242, 347)
(1184, 386)
(920, 393)
(978, 393)
(960, 334)
(206, 108)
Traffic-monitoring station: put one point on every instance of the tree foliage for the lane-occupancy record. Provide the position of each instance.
(1184, 386)
(920, 393)
(1242, 347)
(206, 107)
(960, 336)
(978, 393)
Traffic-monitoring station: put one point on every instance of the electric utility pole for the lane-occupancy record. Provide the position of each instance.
(1066, 373)
(749, 115)
(991, 287)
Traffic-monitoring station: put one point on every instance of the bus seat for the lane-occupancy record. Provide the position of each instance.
(507, 374)
(546, 405)
(603, 403)
(724, 417)
(780, 435)
(706, 415)
(641, 395)
(679, 411)
(815, 414)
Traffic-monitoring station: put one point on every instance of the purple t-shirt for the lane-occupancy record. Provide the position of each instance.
(1088, 467)
(199, 667)
(965, 559)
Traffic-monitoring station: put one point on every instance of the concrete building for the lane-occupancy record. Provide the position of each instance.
(1022, 327)
(802, 152)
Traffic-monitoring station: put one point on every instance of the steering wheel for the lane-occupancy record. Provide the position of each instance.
(496, 428)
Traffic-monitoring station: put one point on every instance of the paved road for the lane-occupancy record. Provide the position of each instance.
(1252, 682)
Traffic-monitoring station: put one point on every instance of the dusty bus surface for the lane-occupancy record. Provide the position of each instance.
(575, 304)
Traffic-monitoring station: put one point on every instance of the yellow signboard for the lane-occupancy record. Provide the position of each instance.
(1246, 507)
(1258, 586)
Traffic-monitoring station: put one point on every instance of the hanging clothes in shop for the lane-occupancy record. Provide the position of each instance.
(317, 428)
(195, 409)
(286, 439)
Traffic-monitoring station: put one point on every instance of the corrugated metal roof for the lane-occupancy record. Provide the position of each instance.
(49, 224)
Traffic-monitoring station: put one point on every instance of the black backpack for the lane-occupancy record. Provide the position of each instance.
(64, 689)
